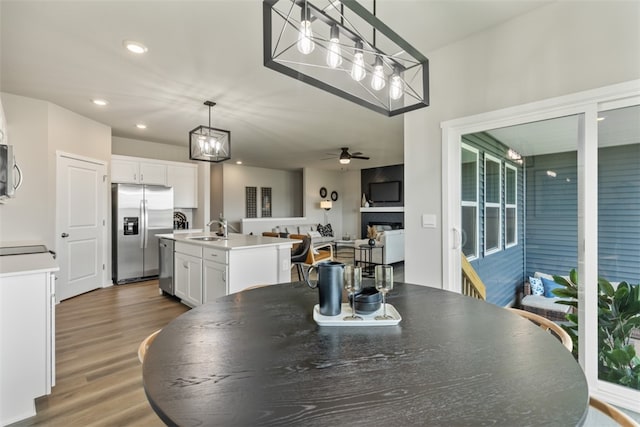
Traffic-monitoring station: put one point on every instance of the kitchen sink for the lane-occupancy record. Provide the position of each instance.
(206, 238)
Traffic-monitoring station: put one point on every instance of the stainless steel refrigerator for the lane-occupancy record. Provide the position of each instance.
(139, 214)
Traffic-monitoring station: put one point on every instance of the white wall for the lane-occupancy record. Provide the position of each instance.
(38, 129)
(285, 191)
(555, 50)
(314, 179)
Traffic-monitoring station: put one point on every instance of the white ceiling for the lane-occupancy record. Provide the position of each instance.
(68, 52)
(615, 127)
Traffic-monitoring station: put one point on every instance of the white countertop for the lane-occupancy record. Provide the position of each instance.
(13, 265)
(234, 241)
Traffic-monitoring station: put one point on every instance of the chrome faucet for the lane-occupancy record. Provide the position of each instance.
(223, 224)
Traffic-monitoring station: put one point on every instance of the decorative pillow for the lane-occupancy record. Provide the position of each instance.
(549, 285)
(379, 235)
(537, 288)
(325, 230)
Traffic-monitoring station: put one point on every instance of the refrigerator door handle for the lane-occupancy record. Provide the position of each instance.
(146, 223)
(143, 225)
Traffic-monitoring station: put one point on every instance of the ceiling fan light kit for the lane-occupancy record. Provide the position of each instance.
(342, 48)
(209, 144)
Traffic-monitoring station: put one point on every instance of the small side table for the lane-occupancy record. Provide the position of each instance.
(366, 251)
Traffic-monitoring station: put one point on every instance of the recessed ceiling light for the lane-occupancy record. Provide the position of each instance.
(135, 47)
(141, 126)
(239, 162)
(100, 102)
(601, 118)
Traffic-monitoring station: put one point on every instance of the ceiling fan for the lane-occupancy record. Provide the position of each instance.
(345, 157)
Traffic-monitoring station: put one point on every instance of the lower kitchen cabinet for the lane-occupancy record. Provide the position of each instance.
(188, 278)
(27, 340)
(215, 280)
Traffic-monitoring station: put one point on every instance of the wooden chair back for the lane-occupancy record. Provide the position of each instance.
(614, 413)
(547, 325)
(145, 344)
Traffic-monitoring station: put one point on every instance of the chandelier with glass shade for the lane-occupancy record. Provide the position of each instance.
(342, 48)
(209, 144)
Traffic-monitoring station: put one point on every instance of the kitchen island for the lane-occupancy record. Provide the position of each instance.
(208, 266)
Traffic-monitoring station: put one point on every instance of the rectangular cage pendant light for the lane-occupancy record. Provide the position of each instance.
(342, 48)
(209, 144)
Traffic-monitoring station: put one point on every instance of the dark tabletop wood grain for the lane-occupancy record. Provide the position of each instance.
(258, 358)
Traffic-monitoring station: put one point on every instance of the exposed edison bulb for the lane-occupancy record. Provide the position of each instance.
(305, 36)
(357, 70)
(396, 87)
(377, 79)
(334, 55)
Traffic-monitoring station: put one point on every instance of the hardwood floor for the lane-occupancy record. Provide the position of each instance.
(99, 377)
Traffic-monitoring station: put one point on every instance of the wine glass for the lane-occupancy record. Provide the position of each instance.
(384, 283)
(352, 284)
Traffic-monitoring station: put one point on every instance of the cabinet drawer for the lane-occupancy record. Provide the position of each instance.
(185, 248)
(216, 255)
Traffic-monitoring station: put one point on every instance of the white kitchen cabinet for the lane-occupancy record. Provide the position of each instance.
(188, 278)
(215, 280)
(27, 339)
(125, 171)
(184, 180)
(132, 170)
(183, 177)
(153, 173)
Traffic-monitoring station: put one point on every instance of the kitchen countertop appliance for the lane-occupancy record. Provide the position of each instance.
(139, 214)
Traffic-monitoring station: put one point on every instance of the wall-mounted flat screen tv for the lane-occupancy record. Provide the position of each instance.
(389, 191)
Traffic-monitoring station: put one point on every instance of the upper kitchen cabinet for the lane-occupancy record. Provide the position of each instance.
(183, 177)
(138, 171)
(184, 180)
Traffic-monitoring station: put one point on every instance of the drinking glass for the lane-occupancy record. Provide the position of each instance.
(383, 277)
(352, 284)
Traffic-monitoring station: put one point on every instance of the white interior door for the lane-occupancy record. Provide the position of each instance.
(80, 223)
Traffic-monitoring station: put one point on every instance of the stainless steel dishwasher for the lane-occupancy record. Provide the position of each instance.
(165, 276)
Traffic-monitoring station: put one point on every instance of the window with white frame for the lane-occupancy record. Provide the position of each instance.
(492, 204)
(469, 201)
(510, 206)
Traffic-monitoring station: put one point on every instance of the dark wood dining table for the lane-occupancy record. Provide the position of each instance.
(258, 358)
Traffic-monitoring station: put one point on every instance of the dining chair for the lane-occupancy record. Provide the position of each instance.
(315, 254)
(614, 413)
(299, 254)
(547, 325)
(145, 344)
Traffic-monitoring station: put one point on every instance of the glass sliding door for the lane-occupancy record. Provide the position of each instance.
(469, 196)
(619, 248)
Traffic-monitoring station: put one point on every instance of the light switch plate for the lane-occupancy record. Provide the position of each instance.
(428, 221)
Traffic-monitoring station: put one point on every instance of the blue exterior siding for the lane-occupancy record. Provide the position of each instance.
(552, 214)
(619, 213)
(502, 271)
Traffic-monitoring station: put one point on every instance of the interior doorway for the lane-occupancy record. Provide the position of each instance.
(80, 224)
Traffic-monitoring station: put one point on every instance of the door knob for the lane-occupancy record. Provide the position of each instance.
(63, 235)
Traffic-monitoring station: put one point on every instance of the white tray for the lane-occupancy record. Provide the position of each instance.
(367, 319)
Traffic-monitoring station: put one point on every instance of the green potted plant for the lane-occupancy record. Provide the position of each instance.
(618, 315)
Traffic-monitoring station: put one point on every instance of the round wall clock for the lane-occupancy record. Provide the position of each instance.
(334, 195)
(323, 192)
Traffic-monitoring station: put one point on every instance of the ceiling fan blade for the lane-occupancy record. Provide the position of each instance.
(330, 158)
(356, 153)
(360, 157)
